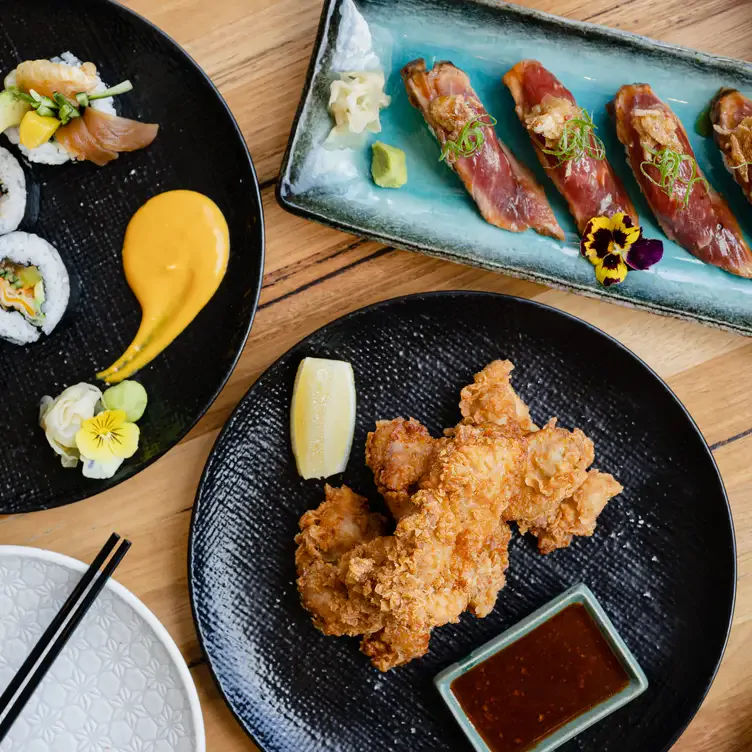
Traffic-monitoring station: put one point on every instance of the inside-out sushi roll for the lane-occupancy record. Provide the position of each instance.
(12, 192)
(34, 287)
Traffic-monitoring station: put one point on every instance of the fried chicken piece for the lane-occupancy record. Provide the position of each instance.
(491, 399)
(557, 463)
(399, 452)
(448, 555)
(577, 515)
(327, 535)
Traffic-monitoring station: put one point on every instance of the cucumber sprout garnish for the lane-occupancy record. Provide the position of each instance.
(471, 137)
(670, 166)
(121, 88)
(578, 140)
(60, 106)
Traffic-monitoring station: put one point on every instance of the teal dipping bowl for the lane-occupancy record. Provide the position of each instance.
(581, 594)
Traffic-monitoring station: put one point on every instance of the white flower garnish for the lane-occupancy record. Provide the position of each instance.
(61, 418)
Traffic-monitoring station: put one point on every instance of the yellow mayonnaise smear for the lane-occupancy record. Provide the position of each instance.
(175, 255)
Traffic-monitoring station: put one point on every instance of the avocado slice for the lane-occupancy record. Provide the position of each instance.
(12, 110)
(388, 166)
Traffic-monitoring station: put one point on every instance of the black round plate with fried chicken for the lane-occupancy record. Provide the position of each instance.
(661, 558)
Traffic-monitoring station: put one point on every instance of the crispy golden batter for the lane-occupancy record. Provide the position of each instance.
(327, 535)
(577, 515)
(399, 453)
(491, 399)
(447, 556)
(557, 463)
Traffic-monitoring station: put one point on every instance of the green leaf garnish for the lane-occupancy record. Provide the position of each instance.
(471, 137)
(670, 164)
(113, 91)
(578, 140)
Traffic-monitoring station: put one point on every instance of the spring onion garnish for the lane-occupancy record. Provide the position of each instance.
(60, 106)
(670, 164)
(113, 91)
(578, 140)
(471, 138)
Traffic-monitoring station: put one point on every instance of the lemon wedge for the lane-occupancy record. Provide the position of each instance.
(322, 417)
(36, 130)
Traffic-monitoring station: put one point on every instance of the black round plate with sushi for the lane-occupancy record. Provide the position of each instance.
(661, 563)
(83, 210)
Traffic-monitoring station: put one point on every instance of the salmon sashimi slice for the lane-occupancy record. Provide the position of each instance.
(588, 183)
(505, 191)
(117, 133)
(79, 142)
(48, 78)
(689, 210)
(98, 137)
(731, 115)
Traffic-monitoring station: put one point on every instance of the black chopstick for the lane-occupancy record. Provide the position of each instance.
(55, 638)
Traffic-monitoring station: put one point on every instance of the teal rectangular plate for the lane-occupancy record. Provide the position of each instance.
(434, 214)
(638, 682)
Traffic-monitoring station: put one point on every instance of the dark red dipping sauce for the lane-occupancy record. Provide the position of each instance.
(522, 694)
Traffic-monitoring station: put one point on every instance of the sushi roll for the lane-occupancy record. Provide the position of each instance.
(34, 287)
(12, 192)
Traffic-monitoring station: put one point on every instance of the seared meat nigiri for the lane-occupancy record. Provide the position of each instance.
(505, 191)
(687, 208)
(731, 115)
(579, 168)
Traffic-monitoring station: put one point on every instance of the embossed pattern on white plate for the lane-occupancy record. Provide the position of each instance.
(115, 686)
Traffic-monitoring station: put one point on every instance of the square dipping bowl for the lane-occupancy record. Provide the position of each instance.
(578, 594)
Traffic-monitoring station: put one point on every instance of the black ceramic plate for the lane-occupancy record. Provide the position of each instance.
(662, 561)
(83, 210)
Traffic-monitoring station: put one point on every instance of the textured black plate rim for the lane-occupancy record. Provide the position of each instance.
(132, 471)
(684, 722)
(287, 199)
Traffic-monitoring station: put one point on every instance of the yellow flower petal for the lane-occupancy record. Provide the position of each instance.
(612, 270)
(124, 440)
(107, 436)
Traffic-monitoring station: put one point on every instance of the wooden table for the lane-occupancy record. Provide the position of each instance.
(257, 52)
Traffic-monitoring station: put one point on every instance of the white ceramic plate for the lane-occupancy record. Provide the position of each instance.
(119, 684)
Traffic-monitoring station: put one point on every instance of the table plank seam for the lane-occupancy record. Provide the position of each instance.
(731, 440)
(280, 275)
(324, 278)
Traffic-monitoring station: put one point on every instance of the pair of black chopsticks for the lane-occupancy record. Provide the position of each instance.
(51, 643)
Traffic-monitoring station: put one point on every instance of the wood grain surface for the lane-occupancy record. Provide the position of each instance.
(257, 52)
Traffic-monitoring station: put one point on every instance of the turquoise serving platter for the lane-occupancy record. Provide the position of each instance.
(433, 213)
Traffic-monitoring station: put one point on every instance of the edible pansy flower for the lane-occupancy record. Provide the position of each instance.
(614, 245)
(107, 437)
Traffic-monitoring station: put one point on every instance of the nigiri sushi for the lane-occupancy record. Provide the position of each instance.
(505, 191)
(731, 115)
(60, 109)
(562, 134)
(686, 206)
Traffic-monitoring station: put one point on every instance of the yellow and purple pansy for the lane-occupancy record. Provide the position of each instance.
(614, 245)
